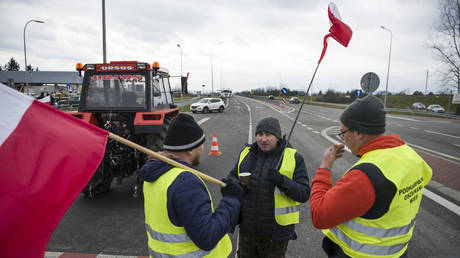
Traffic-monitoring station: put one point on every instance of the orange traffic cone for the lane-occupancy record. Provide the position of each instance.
(214, 147)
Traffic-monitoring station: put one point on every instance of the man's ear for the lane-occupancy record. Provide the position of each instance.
(189, 152)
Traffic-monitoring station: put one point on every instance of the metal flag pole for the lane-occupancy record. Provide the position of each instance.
(295, 120)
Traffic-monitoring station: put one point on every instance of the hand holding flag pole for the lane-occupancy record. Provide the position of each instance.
(338, 31)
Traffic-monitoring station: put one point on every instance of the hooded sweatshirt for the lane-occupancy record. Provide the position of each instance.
(189, 206)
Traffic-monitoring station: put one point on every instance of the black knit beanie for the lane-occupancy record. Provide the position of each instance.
(366, 115)
(183, 134)
(270, 125)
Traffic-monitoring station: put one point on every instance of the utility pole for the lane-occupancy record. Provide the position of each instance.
(426, 82)
(104, 52)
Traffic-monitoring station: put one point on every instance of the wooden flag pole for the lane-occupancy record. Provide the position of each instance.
(163, 158)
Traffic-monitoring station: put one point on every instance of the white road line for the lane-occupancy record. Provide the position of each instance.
(458, 145)
(438, 199)
(448, 135)
(400, 125)
(315, 131)
(203, 120)
(452, 207)
(309, 128)
(435, 152)
(415, 128)
(304, 125)
(403, 118)
(250, 124)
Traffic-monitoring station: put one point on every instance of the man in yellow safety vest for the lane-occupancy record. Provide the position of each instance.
(180, 219)
(371, 210)
(271, 206)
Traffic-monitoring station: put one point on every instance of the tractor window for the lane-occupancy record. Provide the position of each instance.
(167, 90)
(121, 90)
(158, 92)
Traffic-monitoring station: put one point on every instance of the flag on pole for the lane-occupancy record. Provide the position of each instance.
(46, 159)
(338, 31)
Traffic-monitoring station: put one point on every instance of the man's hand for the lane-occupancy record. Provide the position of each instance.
(331, 154)
(232, 189)
(275, 177)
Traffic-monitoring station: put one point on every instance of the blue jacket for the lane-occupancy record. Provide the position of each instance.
(189, 206)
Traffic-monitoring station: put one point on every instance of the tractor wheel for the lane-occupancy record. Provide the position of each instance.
(155, 141)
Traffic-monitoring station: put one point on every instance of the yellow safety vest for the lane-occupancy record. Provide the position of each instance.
(164, 238)
(389, 235)
(287, 211)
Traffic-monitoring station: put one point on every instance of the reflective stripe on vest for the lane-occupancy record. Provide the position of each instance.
(164, 238)
(388, 235)
(287, 211)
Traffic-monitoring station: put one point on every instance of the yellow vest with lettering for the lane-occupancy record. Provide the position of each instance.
(287, 211)
(389, 235)
(164, 238)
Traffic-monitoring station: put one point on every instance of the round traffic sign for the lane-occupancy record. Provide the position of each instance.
(370, 82)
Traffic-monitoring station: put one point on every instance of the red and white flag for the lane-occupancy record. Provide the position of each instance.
(46, 100)
(46, 159)
(338, 31)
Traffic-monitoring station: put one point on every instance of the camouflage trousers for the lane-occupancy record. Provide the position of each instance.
(254, 246)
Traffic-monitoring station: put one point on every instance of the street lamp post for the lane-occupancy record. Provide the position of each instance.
(388, 70)
(212, 70)
(25, 52)
(181, 74)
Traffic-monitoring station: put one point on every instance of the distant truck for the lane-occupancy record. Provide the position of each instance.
(133, 100)
(226, 93)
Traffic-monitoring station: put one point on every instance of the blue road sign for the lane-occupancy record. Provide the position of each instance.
(284, 90)
(358, 93)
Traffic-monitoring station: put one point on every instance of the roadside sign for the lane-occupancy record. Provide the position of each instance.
(284, 91)
(456, 99)
(358, 93)
(283, 101)
(370, 82)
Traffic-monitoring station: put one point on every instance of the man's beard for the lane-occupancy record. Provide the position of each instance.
(196, 160)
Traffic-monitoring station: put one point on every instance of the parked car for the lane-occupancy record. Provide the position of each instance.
(436, 108)
(208, 104)
(418, 105)
(70, 101)
(294, 100)
(270, 97)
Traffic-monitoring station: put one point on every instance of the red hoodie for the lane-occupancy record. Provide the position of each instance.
(353, 194)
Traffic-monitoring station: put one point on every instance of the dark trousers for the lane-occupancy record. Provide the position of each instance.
(255, 246)
(333, 250)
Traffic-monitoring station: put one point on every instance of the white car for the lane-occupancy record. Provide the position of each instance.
(436, 108)
(208, 104)
(418, 105)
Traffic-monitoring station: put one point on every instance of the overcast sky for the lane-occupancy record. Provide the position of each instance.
(254, 43)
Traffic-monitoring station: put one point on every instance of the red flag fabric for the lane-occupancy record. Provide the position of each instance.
(338, 31)
(46, 159)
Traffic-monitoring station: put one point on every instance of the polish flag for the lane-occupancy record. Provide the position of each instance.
(338, 31)
(46, 100)
(46, 159)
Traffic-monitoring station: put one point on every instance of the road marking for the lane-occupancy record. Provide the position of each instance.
(309, 128)
(400, 125)
(304, 125)
(415, 128)
(458, 145)
(453, 136)
(250, 124)
(260, 107)
(403, 118)
(434, 152)
(203, 120)
(438, 199)
(443, 202)
(315, 131)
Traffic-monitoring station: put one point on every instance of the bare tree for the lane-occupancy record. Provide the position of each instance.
(447, 42)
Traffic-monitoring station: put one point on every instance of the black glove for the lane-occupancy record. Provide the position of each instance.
(275, 177)
(233, 189)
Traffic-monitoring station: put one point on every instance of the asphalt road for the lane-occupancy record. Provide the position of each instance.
(113, 223)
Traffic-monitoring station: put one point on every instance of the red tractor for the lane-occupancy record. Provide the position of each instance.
(133, 100)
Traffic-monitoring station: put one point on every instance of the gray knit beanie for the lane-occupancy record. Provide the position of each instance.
(270, 125)
(366, 115)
